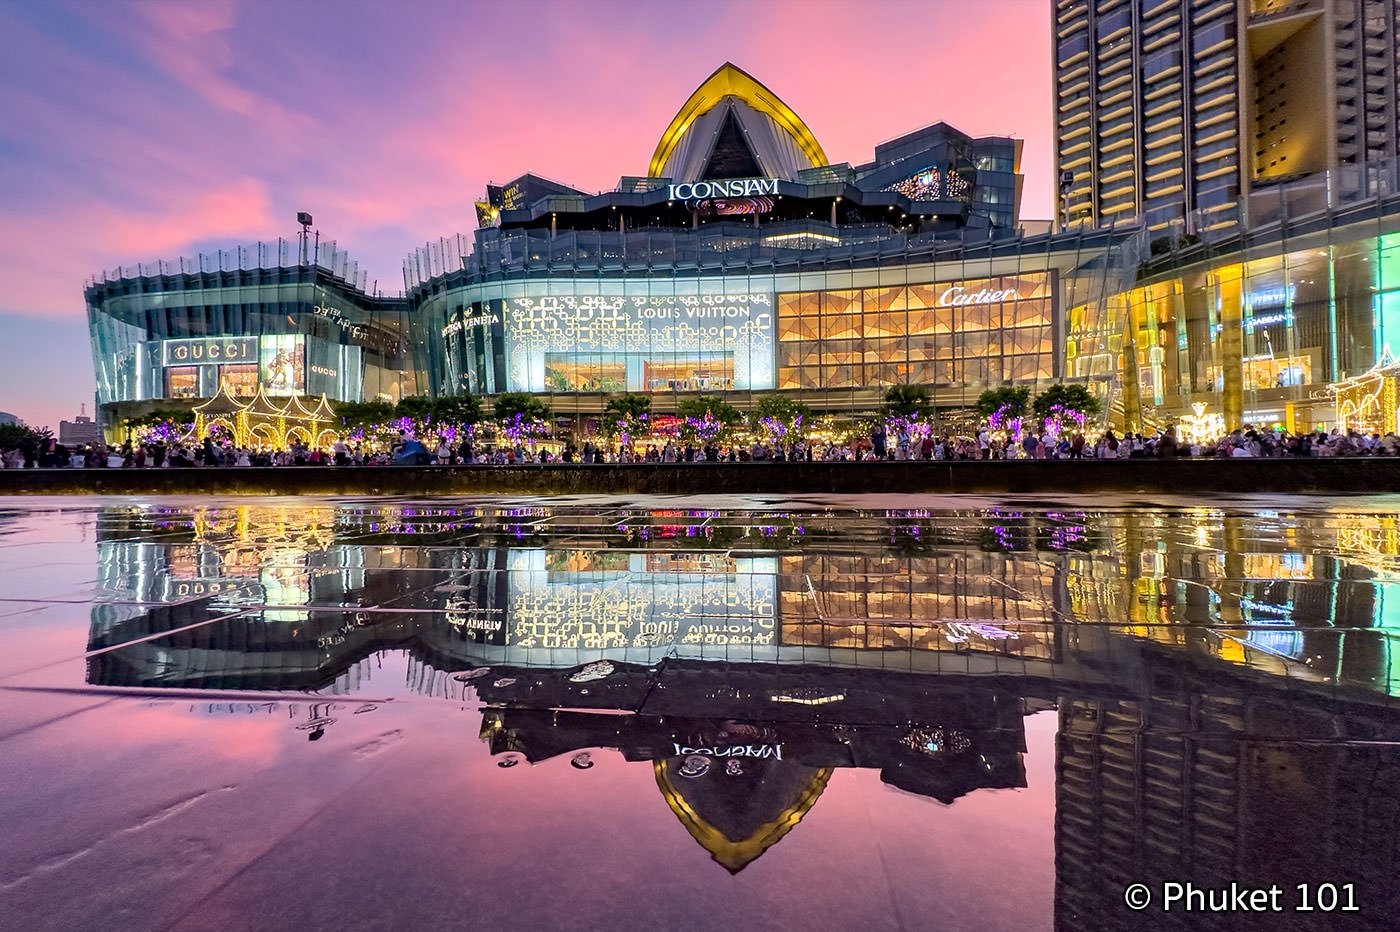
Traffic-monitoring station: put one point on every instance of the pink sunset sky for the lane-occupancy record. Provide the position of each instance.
(136, 131)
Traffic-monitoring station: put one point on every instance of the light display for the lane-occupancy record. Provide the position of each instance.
(1199, 427)
(932, 185)
(1061, 419)
(1367, 402)
(680, 342)
(1010, 427)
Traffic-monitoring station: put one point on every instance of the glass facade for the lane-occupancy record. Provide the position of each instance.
(1260, 326)
(246, 320)
(834, 324)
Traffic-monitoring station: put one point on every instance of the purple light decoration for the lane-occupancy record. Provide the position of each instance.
(1059, 418)
(1001, 419)
(705, 428)
(911, 425)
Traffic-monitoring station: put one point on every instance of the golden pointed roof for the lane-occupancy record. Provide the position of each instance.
(223, 402)
(261, 404)
(323, 410)
(730, 81)
(297, 408)
(734, 854)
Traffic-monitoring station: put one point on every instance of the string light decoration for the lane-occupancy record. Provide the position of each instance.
(932, 185)
(1061, 419)
(1007, 426)
(1199, 427)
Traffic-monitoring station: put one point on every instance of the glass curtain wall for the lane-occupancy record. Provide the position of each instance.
(238, 321)
(578, 318)
(1258, 335)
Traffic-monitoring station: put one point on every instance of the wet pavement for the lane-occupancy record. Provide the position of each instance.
(874, 712)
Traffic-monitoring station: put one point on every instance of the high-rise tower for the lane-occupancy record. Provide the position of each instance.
(1183, 111)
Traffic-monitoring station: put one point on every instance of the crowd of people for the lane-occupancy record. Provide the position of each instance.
(878, 445)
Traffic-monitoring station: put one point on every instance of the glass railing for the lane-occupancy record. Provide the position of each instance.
(736, 247)
(282, 254)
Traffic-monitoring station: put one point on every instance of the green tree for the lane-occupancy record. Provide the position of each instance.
(457, 409)
(1068, 397)
(707, 418)
(712, 405)
(1014, 400)
(449, 409)
(781, 418)
(414, 407)
(626, 415)
(907, 401)
(529, 408)
(363, 413)
(22, 437)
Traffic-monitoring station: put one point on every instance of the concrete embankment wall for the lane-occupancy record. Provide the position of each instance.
(1345, 476)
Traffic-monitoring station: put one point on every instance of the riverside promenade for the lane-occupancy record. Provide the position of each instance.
(1349, 475)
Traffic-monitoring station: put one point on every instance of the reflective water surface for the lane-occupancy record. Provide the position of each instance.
(758, 714)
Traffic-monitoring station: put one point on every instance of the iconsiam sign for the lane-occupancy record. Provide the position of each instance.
(1199, 427)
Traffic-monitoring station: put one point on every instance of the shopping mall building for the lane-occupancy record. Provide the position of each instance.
(743, 263)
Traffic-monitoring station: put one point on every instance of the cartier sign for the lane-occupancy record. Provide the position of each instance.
(209, 351)
(733, 187)
(958, 295)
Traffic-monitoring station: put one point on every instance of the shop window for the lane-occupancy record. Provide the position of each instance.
(182, 382)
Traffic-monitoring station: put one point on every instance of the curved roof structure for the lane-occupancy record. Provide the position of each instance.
(734, 127)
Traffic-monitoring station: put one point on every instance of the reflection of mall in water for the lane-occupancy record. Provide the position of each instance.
(1206, 667)
(1310, 596)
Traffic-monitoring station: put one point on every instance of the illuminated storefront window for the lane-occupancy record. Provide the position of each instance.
(242, 381)
(1263, 372)
(974, 332)
(593, 342)
(182, 382)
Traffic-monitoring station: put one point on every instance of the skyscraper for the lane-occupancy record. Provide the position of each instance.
(1184, 112)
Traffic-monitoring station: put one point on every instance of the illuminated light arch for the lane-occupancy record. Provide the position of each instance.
(264, 436)
(730, 81)
(325, 439)
(298, 433)
(222, 421)
(1345, 412)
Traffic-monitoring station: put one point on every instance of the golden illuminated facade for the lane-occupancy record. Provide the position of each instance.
(1258, 327)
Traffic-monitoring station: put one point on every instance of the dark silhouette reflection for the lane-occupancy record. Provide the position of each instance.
(738, 787)
(1223, 681)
